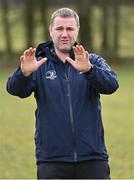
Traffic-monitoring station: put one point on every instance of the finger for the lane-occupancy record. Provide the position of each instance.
(71, 61)
(26, 53)
(82, 48)
(21, 58)
(87, 55)
(79, 49)
(76, 51)
(29, 54)
(42, 61)
(30, 51)
(33, 51)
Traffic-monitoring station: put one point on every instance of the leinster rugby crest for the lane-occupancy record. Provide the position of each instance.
(51, 75)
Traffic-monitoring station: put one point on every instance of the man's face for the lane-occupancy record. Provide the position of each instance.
(64, 32)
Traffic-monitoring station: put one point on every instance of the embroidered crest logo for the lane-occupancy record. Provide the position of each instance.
(51, 75)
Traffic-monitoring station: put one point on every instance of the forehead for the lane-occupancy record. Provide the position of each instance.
(64, 21)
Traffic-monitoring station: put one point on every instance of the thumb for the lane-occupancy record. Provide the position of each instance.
(42, 61)
(71, 61)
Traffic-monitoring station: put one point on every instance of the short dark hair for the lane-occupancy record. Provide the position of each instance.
(65, 12)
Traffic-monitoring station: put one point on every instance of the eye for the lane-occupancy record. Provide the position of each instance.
(70, 29)
(59, 29)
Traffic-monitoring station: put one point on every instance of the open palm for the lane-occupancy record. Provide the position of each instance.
(28, 62)
(81, 62)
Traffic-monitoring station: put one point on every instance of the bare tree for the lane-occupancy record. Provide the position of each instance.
(105, 18)
(85, 13)
(29, 21)
(6, 25)
(43, 7)
(116, 28)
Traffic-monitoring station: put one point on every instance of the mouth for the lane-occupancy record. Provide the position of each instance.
(64, 41)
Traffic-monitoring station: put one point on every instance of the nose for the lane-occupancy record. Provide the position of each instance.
(64, 33)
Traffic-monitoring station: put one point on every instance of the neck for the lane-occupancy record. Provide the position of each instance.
(62, 55)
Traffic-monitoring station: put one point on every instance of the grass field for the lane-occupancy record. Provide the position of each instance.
(17, 130)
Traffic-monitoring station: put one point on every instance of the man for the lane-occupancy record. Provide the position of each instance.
(67, 82)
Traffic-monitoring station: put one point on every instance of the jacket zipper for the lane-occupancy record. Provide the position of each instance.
(71, 113)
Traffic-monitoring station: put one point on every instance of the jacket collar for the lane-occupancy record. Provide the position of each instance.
(46, 49)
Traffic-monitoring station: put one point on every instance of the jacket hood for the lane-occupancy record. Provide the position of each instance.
(46, 50)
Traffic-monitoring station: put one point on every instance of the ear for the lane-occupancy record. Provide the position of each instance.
(50, 30)
(78, 29)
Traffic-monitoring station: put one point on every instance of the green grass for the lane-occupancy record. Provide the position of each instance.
(118, 113)
(17, 130)
(16, 135)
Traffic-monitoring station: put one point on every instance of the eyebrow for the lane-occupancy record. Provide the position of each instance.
(70, 27)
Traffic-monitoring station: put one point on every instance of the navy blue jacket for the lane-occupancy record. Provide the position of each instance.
(68, 115)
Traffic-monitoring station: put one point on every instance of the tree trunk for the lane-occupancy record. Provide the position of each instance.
(7, 27)
(43, 6)
(116, 29)
(85, 14)
(29, 22)
(104, 46)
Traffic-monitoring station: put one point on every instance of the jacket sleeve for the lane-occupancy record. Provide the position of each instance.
(19, 85)
(101, 77)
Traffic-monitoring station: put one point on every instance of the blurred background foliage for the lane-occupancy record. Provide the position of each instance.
(107, 27)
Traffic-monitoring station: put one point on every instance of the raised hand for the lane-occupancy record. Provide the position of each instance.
(81, 62)
(28, 62)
